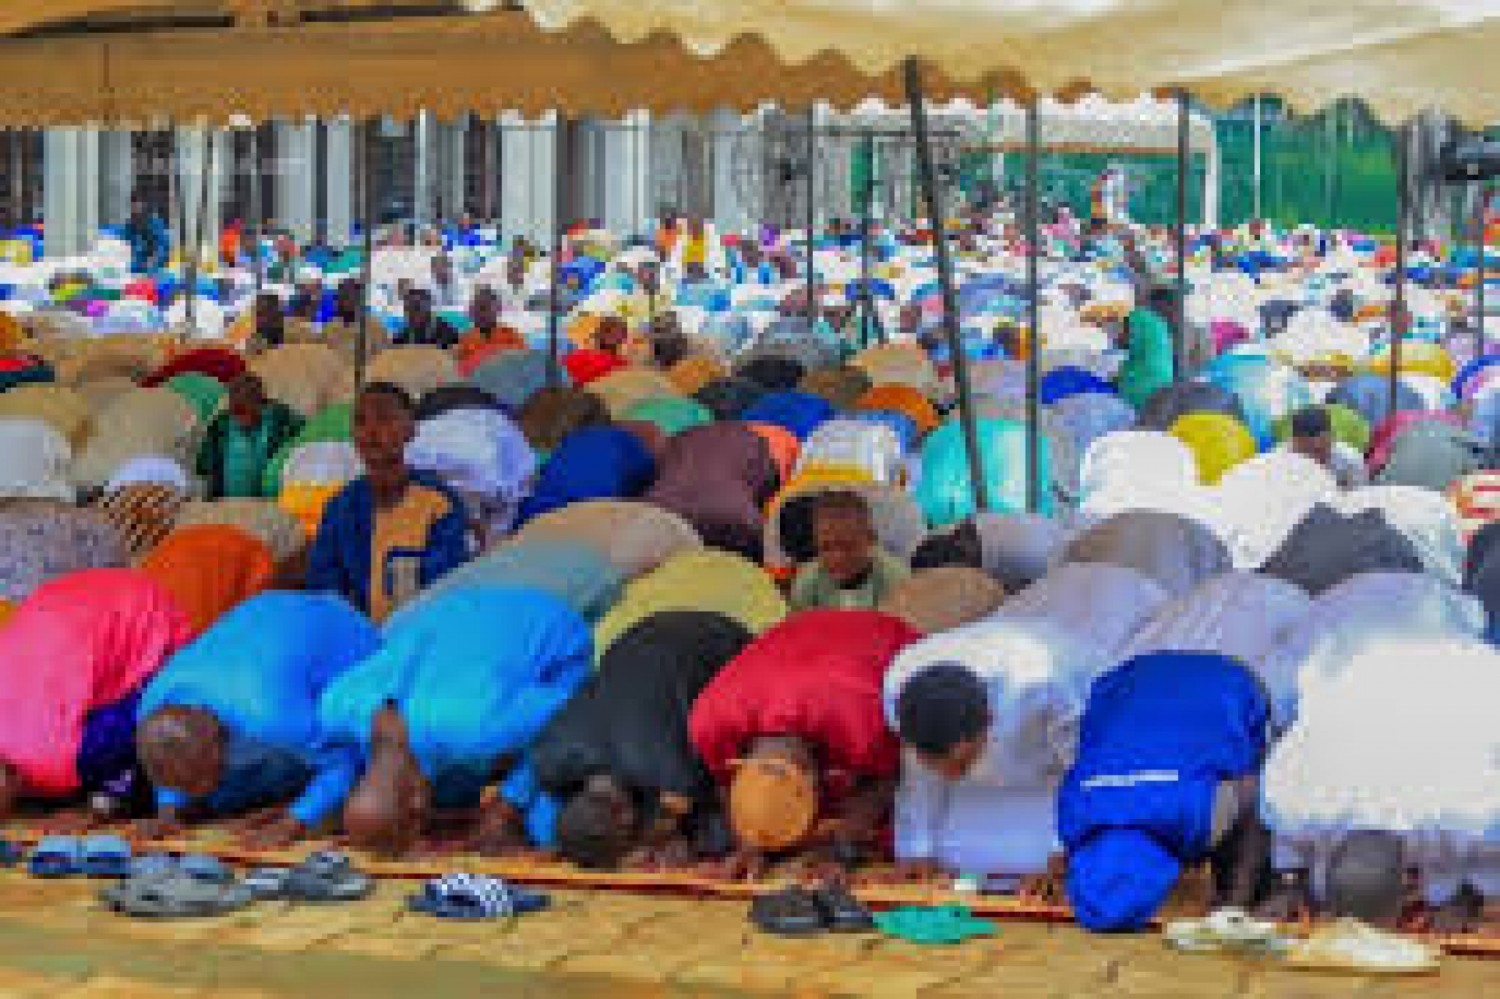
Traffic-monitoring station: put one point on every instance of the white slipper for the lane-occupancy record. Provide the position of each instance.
(1350, 945)
(1224, 929)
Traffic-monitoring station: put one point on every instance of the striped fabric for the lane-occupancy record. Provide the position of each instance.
(144, 513)
(1477, 499)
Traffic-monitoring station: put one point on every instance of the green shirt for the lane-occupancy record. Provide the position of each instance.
(245, 455)
(813, 587)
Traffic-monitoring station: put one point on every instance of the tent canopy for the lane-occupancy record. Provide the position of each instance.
(78, 61)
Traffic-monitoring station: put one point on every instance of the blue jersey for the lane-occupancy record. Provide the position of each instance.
(1158, 736)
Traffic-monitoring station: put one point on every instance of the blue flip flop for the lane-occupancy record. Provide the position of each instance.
(105, 856)
(56, 857)
(475, 897)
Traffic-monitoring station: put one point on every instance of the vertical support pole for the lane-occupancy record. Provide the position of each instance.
(16, 138)
(488, 135)
(1033, 306)
(194, 261)
(364, 140)
(1258, 162)
(1480, 218)
(1179, 232)
(257, 208)
(1398, 308)
(927, 177)
(811, 153)
(560, 187)
(868, 324)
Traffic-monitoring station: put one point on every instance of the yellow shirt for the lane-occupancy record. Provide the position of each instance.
(396, 547)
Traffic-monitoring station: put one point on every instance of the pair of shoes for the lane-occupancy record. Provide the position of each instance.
(799, 911)
(475, 896)
(104, 856)
(200, 867)
(324, 876)
(174, 894)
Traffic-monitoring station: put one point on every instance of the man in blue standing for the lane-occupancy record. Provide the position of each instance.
(1166, 776)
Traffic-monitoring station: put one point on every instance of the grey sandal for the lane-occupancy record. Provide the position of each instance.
(174, 896)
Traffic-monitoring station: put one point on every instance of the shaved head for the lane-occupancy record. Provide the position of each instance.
(182, 749)
(1366, 876)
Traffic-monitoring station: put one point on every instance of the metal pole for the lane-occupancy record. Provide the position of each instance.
(17, 180)
(812, 216)
(1257, 152)
(1033, 308)
(933, 195)
(559, 220)
(1179, 234)
(257, 208)
(867, 322)
(364, 183)
(1479, 268)
(488, 135)
(1398, 310)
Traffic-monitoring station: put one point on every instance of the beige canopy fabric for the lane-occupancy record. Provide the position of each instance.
(1401, 56)
(612, 56)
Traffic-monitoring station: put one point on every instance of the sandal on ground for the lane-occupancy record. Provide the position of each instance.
(174, 896)
(57, 857)
(326, 876)
(1352, 946)
(475, 897)
(790, 912)
(1224, 929)
(104, 856)
(842, 912)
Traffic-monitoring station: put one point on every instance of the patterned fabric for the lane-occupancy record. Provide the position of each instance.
(41, 540)
(143, 515)
(486, 896)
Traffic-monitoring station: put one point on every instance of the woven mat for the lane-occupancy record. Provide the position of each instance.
(1190, 898)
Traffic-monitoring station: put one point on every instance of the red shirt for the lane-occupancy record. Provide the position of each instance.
(816, 676)
(590, 365)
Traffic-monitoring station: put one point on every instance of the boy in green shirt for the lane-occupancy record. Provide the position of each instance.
(851, 569)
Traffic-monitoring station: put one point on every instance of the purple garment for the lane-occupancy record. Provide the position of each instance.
(106, 755)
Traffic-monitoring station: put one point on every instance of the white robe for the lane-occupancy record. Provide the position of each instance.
(1401, 737)
(1253, 618)
(1259, 502)
(1038, 655)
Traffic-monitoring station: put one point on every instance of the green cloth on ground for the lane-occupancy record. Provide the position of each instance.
(936, 924)
(813, 587)
(1148, 361)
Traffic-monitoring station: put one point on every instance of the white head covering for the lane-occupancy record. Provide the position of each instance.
(147, 469)
(1106, 604)
(476, 451)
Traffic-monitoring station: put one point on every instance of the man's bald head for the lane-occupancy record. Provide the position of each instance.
(182, 749)
(1367, 876)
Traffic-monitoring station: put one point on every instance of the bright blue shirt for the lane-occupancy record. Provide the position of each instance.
(261, 670)
(476, 673)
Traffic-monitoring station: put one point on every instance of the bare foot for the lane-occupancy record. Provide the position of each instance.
(1290, 901)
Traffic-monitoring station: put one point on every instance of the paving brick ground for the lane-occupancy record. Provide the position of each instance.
(57, 943)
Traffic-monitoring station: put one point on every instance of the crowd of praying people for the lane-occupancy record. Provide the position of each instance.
(709, 589)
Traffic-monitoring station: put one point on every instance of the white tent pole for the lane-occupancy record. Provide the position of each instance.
(1259, 125)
